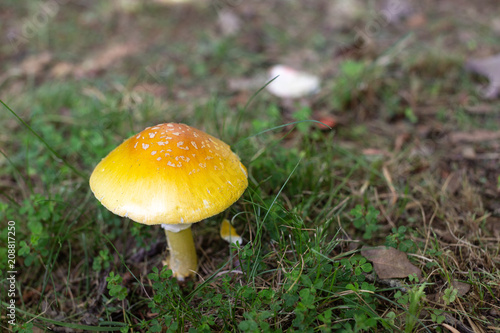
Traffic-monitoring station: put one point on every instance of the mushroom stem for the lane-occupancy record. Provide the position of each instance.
(183, 260)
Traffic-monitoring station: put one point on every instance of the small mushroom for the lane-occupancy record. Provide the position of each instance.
(290, 83)
(229, 234)
(173, 175)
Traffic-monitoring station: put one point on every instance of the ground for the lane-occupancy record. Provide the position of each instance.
(411, 163)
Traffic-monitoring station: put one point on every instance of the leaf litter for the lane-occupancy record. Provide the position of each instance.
(390, 263)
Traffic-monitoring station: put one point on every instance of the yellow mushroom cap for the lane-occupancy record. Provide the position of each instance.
(170, 174)
(229, 233)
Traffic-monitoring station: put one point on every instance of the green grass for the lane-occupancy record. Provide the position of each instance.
(315, 197)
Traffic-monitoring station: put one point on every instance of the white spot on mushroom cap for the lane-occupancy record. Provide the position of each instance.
(158, 159)
(153, 152)
(152, 135)
(244, 171)
(145, 146)
(194, 144)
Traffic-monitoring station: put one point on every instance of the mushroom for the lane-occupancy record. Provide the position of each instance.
(173, 175)
(229, 234)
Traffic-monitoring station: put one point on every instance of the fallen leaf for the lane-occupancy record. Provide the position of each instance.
(469, 152)
(291, 83)
(61, 70)
(489, 67)
(106, 58)
(463, 288)
(31, 65)
(390, 263)
(35, 63)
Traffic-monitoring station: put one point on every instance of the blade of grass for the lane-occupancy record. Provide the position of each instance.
(255, 267)
(281, 126)
(70, 325)
(59, 157)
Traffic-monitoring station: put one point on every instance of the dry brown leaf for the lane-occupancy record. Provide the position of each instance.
(107, 58)
(35, 63)
(62, 69)
(390, 263)
(474, 136)
(463, 288)
(489, 67)
(31, 66)
(469, 152)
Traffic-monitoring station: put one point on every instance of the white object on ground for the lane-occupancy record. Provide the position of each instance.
(291, 83)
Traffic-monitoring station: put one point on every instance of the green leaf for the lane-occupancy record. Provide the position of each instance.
(24, 249)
